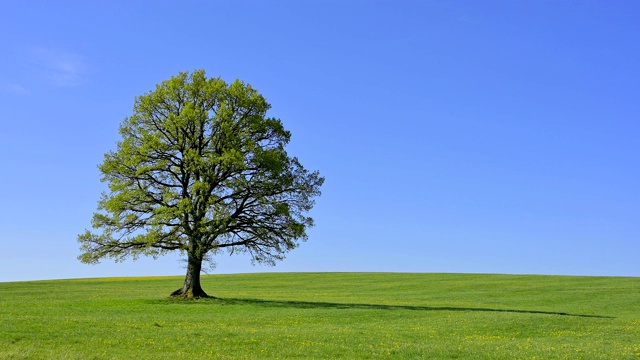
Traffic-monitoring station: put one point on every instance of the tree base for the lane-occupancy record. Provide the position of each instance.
(190, 294)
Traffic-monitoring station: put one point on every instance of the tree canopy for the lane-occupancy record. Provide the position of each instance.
(200, 169)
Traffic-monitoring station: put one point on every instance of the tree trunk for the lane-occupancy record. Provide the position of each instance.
(191, 288)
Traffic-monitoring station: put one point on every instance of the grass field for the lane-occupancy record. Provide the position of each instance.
(324, 316)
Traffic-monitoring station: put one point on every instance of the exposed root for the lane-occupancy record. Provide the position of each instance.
(190, 294)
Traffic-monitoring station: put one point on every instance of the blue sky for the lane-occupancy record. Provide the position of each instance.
(455, 136)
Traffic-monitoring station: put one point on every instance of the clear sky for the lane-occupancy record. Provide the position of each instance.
(455, 136)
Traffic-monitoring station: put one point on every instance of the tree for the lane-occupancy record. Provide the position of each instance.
(201, 169)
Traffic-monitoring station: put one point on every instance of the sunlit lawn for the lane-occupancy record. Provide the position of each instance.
(323, 316)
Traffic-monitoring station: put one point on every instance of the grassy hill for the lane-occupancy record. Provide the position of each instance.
(324, 315)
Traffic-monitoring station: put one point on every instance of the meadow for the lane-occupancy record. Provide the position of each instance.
(324, 316)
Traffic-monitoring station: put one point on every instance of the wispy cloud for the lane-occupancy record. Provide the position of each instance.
(61, 68)
(13, 89)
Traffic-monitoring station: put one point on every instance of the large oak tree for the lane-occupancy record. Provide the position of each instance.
(200, 169)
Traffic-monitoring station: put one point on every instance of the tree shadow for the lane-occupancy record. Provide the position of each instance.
(330, 305)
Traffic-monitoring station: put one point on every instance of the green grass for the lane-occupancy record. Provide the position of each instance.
(323, 316)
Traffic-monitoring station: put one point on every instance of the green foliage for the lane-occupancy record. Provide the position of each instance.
(325, 316)
(201, 168)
